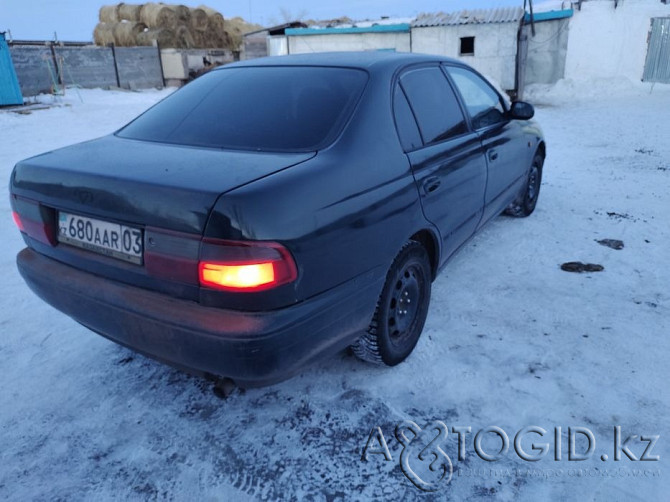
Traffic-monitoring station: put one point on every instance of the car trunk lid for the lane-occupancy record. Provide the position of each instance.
(149, 184)
(162, 194)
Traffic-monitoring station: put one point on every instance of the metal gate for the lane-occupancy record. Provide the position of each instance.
(657, 66)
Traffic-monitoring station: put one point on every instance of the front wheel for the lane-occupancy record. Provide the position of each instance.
(401, 310)
(525, 203)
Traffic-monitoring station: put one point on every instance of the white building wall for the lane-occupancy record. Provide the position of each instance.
(277, 45)
(547, 51)
(495, 47)
(609, 42)
(348, 42)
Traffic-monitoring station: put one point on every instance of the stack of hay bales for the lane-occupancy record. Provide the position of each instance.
(171, 26)
(237, 27)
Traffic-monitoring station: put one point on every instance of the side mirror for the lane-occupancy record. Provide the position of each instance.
(521, 111)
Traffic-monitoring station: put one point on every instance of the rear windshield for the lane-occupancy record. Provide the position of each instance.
(255, 108)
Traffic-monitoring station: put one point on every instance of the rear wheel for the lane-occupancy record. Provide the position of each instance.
(401, 310)
(525, 203)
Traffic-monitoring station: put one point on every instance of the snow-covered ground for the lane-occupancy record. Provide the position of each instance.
(511, 341)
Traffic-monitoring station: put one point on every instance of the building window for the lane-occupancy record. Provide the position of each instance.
(467, 46)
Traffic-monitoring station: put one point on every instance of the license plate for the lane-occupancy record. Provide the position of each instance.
(103, 237)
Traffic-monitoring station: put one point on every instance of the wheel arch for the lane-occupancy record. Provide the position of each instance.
(429, 241)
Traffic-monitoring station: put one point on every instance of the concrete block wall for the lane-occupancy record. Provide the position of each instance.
(86, 66)
(38, 66)
(32, 70)
(139, 67)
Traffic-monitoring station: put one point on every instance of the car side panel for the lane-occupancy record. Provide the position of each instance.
(451, 178)
(506, 148)
(333, 235)
(344, 213)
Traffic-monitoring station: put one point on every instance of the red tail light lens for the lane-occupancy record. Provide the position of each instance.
(237, 276)
(17, 220)
(245, 266)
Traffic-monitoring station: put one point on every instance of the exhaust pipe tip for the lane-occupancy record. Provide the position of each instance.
(224, 387)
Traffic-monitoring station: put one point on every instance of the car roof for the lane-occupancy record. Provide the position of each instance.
(364, 59)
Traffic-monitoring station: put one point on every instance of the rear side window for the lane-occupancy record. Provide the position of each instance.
(255, 108)
(434, 104)
(481, 100)
(408, 131)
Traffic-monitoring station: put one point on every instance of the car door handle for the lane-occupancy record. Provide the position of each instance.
(493, 155)
(431, 184)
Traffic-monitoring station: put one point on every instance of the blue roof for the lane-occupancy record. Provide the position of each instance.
(549, 16)
(378, 28)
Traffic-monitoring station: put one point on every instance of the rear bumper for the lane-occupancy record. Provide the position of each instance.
(250, 348)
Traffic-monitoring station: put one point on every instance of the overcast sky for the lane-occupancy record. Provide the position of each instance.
(75, 19)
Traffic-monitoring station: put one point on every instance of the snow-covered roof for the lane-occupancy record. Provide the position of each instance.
(476, 16)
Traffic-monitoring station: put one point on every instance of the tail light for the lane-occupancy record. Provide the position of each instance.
(36, 221)
(17, 220)
(245, 266)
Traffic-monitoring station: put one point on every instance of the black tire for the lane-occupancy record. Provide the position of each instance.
(525, 203)
(401, 309)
